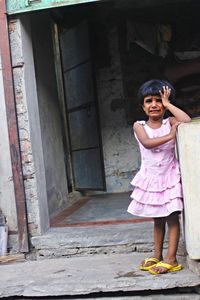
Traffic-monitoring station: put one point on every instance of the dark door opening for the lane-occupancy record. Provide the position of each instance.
(82, 108)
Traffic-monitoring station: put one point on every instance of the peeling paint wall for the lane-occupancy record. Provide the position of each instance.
(120, 150)
(20, 6)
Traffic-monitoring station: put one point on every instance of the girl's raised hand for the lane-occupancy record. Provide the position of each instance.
(165, 96)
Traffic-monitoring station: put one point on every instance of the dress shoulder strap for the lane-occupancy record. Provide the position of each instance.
(165, 121)
(141, 122)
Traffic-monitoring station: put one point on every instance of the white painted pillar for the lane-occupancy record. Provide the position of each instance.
(189, 157)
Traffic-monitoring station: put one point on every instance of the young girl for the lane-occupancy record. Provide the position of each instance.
(157, 191)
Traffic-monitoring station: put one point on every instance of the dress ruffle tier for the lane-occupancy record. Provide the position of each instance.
(152, 211)
(149, 179)
(156, 195)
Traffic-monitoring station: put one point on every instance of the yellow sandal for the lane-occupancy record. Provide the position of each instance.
(149, 259)
(168, 267)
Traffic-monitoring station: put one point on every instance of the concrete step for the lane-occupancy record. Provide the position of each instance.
(109, 239)
(68, 241)
(175, 295)
(92, 277)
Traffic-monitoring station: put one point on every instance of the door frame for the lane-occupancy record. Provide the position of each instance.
(63, 110)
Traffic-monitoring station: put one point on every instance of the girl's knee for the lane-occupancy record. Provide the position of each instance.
(159, 221)
(173, 218)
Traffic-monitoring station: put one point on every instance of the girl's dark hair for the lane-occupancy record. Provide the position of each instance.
(152, 87)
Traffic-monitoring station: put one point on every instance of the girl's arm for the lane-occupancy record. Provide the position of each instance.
(179, 115)
(150, 143)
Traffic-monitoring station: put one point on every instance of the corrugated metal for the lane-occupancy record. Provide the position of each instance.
(21, 6)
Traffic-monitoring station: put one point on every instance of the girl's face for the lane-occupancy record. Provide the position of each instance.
(153, 107)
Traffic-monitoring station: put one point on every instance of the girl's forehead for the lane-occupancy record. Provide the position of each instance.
(152, 96)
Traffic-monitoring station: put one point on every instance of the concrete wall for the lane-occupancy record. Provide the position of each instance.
(39, 121)
(120, 150)
(50, 116)
(29, 125)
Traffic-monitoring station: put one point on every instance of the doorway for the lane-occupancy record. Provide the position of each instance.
(93, 152)
(84, 136)
(68, 109)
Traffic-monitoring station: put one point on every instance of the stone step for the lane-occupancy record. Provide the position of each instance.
(69, 241)
(92, 277)
(162, 296)
(109, 239)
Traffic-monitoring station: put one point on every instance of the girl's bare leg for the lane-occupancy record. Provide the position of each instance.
(159, 234)
(173, 236)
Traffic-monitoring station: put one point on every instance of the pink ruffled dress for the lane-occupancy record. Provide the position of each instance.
(157, 186)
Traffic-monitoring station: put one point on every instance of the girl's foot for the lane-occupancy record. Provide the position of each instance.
(165, 267)
(148, 263)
